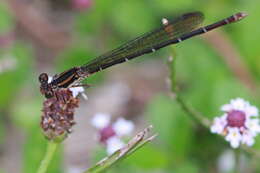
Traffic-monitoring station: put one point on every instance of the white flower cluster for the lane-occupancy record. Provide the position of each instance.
(78, 91)
(111, 134)
(239, 123)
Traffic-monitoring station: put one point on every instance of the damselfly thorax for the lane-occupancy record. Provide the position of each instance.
(67, 79)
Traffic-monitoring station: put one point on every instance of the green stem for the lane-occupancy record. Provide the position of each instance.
(237, 161)
(174, 88)
(192, 112)
(197, 115)
(51, 148)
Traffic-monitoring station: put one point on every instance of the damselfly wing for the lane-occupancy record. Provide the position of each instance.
(171, 32)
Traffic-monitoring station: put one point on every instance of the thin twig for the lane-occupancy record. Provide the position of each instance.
(134, 144)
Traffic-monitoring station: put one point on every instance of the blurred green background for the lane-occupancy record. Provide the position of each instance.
(53, 35)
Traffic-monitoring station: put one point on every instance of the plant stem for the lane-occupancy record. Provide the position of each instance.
(237, 161)
(51, 148)
(193, 113)
(174, 89)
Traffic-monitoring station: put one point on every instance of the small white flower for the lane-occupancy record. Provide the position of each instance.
(248, 138)
(114, 144)
(78, 90)
(253, 126)
(234, 137)
(252, 111)
(110, 133)
(219, 125)
(123, 127)
(238, 124)
(240, 105)
(100, 120)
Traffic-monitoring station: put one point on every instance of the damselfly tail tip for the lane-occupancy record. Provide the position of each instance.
(241, 15)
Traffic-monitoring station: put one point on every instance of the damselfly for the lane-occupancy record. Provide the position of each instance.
(171, 32)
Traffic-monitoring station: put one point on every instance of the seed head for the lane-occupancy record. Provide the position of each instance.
(58, 114)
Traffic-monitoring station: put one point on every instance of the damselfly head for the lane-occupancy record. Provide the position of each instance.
(43, 78)
(45, 87)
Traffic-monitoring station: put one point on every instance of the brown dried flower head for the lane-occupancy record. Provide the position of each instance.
(58, 114)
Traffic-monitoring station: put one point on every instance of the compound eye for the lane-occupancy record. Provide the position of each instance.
(43, 78)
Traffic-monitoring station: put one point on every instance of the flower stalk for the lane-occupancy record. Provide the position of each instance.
(51, 148)
(57, 120)
(176, 95)
(237, 161)
(234, 120)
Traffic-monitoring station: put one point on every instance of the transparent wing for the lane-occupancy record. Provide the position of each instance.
(165, 35)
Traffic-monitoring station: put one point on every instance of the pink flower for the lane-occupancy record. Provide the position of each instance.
(239, 123)
(114, 144)
(111, 134)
